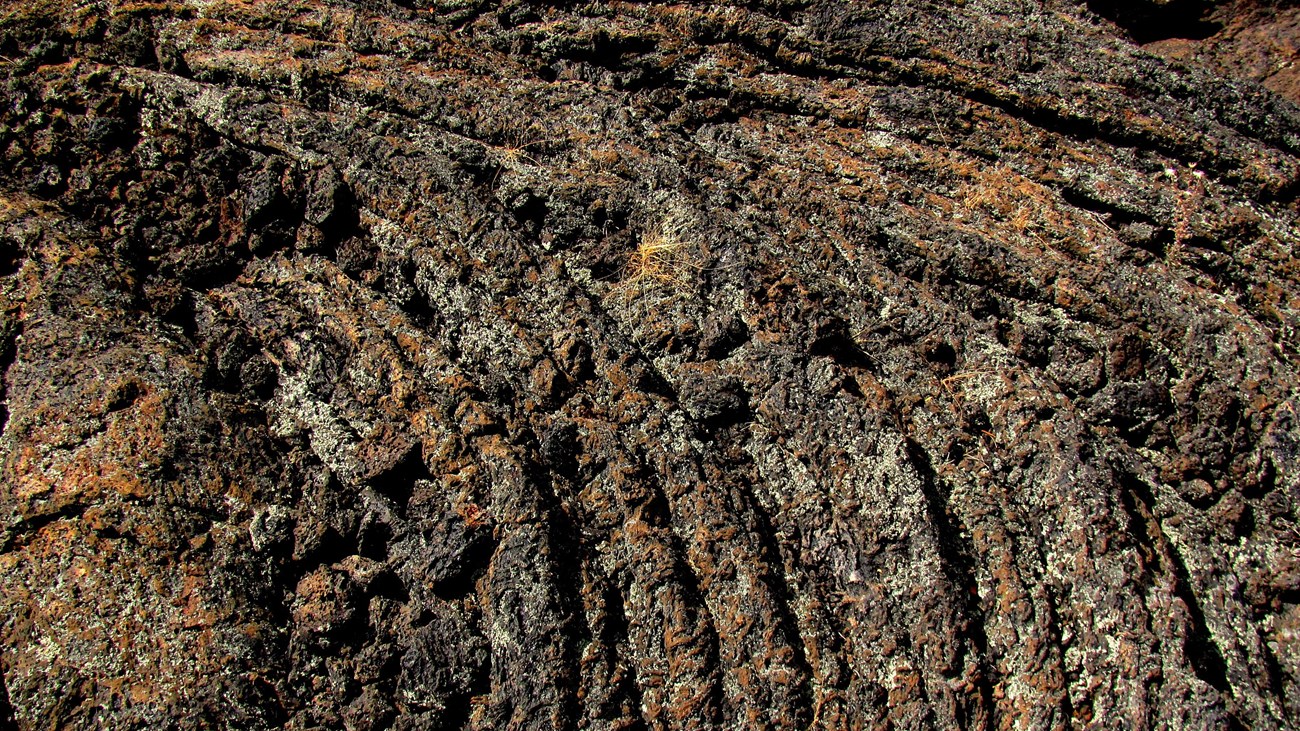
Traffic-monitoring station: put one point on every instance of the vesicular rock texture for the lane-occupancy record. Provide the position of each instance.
(833, 365)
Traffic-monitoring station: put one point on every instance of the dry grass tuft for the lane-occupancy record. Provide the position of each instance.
(659, 267)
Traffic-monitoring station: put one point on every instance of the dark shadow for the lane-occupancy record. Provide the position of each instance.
(1147, 22)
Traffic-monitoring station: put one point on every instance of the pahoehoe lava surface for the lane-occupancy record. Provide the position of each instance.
(615, 365)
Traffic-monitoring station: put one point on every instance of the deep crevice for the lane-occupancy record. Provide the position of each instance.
(615, 637)
(28, 527)
(7, 720)
(1199, 646)
(657, 505)
(8, 355)
(397, 483)
(1147, 22)
(773, 559)
(958, 561)
(1116, 212)
(1276, 677)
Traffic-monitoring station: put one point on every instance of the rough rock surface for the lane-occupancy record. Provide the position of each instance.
(811, 364)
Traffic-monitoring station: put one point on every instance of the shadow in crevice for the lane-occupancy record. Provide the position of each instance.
(1147, 22)
(1199, 646)
(959, 564)
(7, 721)
(8, 356)
(627, 692)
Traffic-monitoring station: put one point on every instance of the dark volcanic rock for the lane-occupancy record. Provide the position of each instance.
(440, 365)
